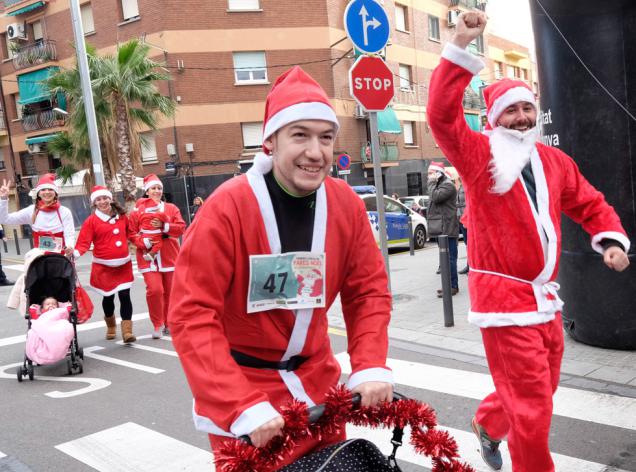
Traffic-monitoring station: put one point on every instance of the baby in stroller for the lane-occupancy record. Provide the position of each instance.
(49, 289)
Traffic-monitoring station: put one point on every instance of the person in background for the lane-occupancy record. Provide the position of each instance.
(461, 211)
(196, 206)
(52, 224)
(158, 272)
(3, 277)
(108, 230)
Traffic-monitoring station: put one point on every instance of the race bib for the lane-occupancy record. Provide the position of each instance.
(50, 243)
(290, 281)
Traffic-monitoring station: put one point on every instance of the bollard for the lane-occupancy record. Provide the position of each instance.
(31, 240)
(411, 240)
(4, 243)
(444, 264)
(17, 243)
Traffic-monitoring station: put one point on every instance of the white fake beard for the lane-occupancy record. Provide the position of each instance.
(511, 151)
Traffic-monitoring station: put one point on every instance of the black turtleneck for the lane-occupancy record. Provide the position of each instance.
(294, 216)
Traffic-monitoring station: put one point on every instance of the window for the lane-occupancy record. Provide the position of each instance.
(401, 18)
(433, 28)
(510, 72)
(2, 166)
(6, 47)
(524, 74)
(498, 70)
(28, 164)
(18, 107)
(55, 162)
(371, 204)
(409, 128)
(479, 43)
(405, 77)
(148, 147)
(392, 207)
(250, 67)
(37, 31)
(87, 18)
(243, 5)
(414, 184)
(129, 9)
(252, 135)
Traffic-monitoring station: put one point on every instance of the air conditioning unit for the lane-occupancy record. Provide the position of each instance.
(452, 17)
(359, 113)
(37, 148)
(16, 31)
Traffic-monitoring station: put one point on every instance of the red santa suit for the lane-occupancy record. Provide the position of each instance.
(514, 253)
(153, 237)
(111, 270)
(55, 222)
(158, 273)
(209, 316)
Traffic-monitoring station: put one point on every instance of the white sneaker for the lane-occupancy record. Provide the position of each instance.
(156, 334)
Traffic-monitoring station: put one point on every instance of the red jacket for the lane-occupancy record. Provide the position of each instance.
(167, 256)
(208, 305)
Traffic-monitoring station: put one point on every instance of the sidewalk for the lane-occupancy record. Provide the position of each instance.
(418, 317)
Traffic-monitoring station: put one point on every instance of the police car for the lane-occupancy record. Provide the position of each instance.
(396, 221)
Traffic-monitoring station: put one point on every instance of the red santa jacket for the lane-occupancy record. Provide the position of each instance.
(513, 248)
(208, 313)
(167, 256)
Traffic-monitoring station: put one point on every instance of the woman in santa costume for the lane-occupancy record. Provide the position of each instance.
(516, 189)
(109, 231)
(158, 271)
(242, 355)
(47, 218)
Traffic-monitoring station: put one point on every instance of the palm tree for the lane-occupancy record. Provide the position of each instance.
(126, 99)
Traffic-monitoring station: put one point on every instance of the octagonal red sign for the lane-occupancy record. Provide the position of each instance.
(371, 83)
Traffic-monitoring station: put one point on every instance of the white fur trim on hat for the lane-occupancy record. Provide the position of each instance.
(150, 183)
(297, 112)
(100, 193)
(462, 58)
(46, 186)
(510, 97)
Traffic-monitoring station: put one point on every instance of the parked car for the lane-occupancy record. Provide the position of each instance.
(396, 221)
(420, 200)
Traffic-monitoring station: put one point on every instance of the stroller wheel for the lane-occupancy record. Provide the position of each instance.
(80, 367)
(69, 367)
(19, 372)
(30, 372)
(80, 353)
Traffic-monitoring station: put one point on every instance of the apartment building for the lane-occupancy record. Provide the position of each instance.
(223, 56)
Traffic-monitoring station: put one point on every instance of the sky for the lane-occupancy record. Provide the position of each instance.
(510, 19)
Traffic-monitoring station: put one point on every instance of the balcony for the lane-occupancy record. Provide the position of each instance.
(388, 153)
(470, 4)
(19, 7)
(42, 119)
(34, 54)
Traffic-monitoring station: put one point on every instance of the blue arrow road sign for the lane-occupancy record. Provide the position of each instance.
(367, 25)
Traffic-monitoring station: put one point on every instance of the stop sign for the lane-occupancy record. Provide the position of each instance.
(371, 83)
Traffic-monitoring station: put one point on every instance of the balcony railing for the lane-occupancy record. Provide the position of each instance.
(478, 4)
(34, 54)
(42, 119)
(388, 153)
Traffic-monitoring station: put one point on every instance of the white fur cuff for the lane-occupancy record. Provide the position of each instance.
(462, 58)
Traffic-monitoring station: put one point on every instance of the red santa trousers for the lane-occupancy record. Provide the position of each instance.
(525, 364)
(158, 286)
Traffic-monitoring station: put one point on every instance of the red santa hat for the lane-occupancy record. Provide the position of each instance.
(150, 180)
(503, 93)
(437, 166)
(47, 181)
(296, 96)
(99, 191)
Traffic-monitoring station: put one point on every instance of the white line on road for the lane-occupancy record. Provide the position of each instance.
(2, 455)
(90, 352)
(601, 408)
(158, 350)
(133, 448)
(83, 327)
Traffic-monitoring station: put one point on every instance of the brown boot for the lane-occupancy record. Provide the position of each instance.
(126, 331)
(111, 327)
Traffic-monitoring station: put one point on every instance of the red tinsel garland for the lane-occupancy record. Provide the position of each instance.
(237, 456)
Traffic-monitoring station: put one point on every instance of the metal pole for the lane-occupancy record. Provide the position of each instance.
(444, 264)
(87, 92)
(379, 189)
(411, 239)
(17, 243)
(4, 243)
(187, 198)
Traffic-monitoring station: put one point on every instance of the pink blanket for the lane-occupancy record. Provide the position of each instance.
(50, 336)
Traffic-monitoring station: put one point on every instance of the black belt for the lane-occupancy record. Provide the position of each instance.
(246, 360)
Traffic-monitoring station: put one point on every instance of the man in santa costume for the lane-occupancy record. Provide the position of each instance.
(242, 367)
(108, 230)
(516, 189)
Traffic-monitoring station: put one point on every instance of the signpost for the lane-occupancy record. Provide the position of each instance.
(371, 85)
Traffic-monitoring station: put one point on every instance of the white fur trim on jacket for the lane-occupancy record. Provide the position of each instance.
(297, 112)
(462, 58)
(112, 262)
(491, 320)
(119, 288)
(597, 238)
(510, 97)
(376, 374)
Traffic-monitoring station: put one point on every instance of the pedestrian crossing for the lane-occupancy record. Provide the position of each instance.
(136, 447)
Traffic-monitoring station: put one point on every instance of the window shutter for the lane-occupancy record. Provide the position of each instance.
(252, 134)
(87, 18)
(129, 8)
(243, 5)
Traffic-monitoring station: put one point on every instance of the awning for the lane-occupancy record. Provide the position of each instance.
(40, 139)
(473, 121)
(28, 8)
(388, 122)
(32, 88)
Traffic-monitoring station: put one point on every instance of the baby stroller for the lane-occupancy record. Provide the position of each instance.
(52, 275)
